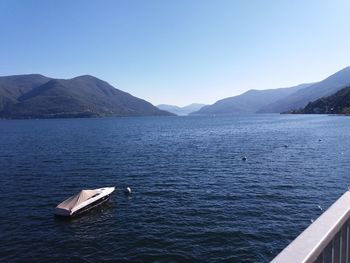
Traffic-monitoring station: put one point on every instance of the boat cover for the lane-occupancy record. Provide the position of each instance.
(76, 200)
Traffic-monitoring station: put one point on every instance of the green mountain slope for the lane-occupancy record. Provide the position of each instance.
(338, 103)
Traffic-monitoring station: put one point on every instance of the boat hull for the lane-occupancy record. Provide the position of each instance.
(85, 208)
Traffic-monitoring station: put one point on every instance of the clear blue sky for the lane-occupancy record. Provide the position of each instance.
(179, 51)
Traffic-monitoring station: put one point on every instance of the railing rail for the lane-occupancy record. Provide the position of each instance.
(327, 240)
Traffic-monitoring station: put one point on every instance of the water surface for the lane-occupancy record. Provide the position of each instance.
(194, 198)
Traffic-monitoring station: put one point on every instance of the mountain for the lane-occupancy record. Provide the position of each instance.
(338, 103)
(248, 102)
(36, 96)
(318, 90)
(181, 110)
(12, 87)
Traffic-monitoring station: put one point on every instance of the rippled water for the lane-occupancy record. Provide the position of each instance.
(194, 198)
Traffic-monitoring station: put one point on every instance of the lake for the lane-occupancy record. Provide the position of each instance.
(194, 199)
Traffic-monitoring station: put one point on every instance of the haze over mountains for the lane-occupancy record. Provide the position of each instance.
(182, 111)
(37, 96)
(248, 102)
(301, 98)
(278, 100)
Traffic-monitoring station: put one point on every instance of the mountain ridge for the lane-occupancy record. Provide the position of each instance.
(37, 96)
(248, 102)
(301, 98)
(338, 103)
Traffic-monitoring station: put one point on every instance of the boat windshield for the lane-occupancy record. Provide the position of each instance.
(94, 195)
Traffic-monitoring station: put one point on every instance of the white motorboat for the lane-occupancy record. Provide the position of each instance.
(83, 201)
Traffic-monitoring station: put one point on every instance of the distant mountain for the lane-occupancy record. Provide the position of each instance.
(248, 102)
(36, 96)
(318, 90)
(338, 103)
(181, 110)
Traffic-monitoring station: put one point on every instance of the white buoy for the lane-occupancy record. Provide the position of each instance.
(128, 190)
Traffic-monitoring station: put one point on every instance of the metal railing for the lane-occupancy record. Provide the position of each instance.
(327, 240)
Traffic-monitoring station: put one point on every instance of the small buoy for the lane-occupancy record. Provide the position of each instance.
(320, 140)
(244, 158)
(127, 191)
(286, 146)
